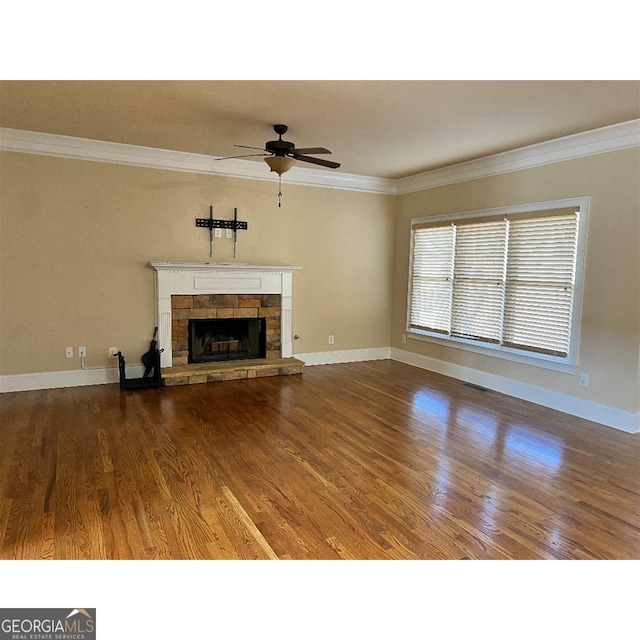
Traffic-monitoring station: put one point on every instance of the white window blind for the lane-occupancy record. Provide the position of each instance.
(432, 279)
(478, 284)
(540, 280)
(507, 281)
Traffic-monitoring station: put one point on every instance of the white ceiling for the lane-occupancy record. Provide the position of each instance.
(387, 129)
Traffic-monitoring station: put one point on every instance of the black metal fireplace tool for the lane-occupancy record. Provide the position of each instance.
(151, 361)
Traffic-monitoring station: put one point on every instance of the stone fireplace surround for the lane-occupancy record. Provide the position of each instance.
(238, 287)
(223, 306)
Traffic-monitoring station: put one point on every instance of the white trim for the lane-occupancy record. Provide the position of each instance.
(340, 357)
(531, 207)
(540, 360)
(594, 411)
(564, 365)
(222, 267)
(193, 278)
(49, 144)
(64, 379)
(109, 375)
(612, 138)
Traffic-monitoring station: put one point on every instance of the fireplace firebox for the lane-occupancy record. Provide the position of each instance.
(215, 340)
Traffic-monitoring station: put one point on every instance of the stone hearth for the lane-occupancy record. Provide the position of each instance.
(231, 370)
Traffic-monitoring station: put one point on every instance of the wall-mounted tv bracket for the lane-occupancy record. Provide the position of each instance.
(212, 224)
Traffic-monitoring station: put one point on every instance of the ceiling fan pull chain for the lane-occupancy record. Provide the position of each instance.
(279, 190)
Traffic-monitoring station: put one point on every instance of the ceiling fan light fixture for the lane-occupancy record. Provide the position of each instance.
(280, 164)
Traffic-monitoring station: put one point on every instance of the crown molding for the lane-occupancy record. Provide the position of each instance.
(612, 138)
(49, 144)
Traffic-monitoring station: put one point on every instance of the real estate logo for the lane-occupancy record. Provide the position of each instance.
(47, 624)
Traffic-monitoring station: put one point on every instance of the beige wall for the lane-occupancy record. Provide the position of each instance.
(76, 237)
(610, 328)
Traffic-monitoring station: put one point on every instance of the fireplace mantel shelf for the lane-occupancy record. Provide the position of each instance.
(238, 267)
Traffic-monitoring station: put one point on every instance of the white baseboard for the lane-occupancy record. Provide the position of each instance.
(61, 379)
(340, 357)
(594, 411)
(107, 375)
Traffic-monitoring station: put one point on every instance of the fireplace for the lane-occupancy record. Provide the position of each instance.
(214, 290)
(230, 336)
(213, 340)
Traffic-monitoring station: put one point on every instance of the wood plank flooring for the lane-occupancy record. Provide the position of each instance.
(374, 460)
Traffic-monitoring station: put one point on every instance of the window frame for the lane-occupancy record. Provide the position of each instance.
(568, 364)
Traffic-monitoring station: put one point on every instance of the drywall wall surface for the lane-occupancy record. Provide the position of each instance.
(610, 321)
(76, 238)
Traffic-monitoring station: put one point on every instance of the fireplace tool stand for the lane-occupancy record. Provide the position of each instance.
(151, 361)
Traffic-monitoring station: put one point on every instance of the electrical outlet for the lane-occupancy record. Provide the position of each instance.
(82, 352)
(113, 351)
(68, 352)
(217, 232)
(229, 233)
(404, 338)
(584, 379)
(331, 340)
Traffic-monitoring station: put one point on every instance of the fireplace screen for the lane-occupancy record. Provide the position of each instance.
(228, 339)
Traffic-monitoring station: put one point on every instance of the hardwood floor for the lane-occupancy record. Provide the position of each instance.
(368, 460)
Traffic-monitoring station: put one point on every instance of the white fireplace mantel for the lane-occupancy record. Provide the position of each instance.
(201, 278)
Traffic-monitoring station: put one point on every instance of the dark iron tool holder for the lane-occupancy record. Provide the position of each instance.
(153, 379)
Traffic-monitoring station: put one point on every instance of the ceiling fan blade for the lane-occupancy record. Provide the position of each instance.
(250, 155)
(322, 163)
(313, 150)
(243, 146)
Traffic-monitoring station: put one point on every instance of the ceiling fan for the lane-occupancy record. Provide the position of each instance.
(281, 155)
(283, 149)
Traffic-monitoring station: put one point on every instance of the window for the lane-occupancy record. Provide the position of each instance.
(506, 282)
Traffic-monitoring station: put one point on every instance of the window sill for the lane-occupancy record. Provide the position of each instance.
(553, 363)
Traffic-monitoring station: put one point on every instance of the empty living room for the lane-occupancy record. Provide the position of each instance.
(318, 320)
